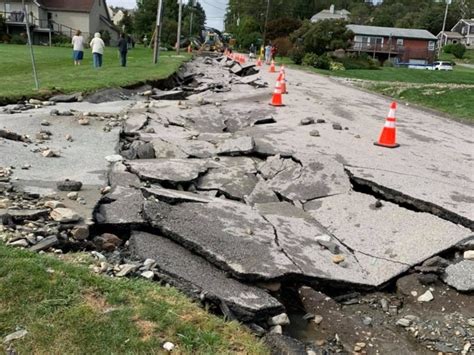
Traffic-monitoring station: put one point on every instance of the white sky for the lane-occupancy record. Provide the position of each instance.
(215, 10)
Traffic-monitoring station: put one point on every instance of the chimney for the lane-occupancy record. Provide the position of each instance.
(331, 9)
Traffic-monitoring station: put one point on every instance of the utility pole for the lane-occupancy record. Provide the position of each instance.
(194, 3)
(266, 21)
(30, 45)
(178, 36)
(440, 44)
(156, 43)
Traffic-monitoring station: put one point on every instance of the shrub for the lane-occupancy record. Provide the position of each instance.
(60, 40)
(247, 39)
(336, 66)
(458, 50)
(310, 59)
(18, 39)
(388, 64)
(296, 54)
(323, 62)
(359, 62)
(283, 45)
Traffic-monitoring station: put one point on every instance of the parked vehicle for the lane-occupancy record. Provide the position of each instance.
(440, 65)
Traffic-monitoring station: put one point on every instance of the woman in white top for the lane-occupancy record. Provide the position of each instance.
(97, 45)
(78, 48)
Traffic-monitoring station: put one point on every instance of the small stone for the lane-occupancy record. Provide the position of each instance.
(307, 121)
(149, 130)
(318, 319)
(168, 346)
(35, 102)
(105, 190)
(337, 127)
(72, 195)
(314, 133)
(45, 123)
(426, 297)
(49, 153)
(308, 316)
(320, 120)
(148, 275)
(45, 244)
(378, 204)
(384, 304)
(361, 345)
(54, 112)
(149, 263)
(114, 158)
(21, 243)
(126, 269)
(414, 293)
(357, 136)
(367, 321)
(69, 138)
(281, 319)
(83, 121)
(15, 336)
(69, 185)
(470, 321)
(64, 215)
(337, 259)
(427, 279)
(277, 329)
(53, 204)
(80, 232)
(403, 322)
(469, 254)
(107, 242)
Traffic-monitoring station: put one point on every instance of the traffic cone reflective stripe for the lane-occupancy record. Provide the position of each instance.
(283, 83)
(272, 67)
(388, 137)
(276, 98)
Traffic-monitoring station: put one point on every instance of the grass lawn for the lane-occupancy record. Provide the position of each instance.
(451, 92)
(56, 71)
(67, 309)
(467, 59)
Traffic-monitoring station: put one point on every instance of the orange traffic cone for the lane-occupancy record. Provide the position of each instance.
(259, 62)
(388, 137)
(272, 67)
(283, 82)
(276, 97)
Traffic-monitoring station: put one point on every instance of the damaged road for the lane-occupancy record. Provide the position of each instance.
(237, 201)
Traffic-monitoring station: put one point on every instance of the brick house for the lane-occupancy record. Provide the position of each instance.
(58, 17)
(399, 45)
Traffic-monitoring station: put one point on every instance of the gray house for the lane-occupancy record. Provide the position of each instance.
(331, 14)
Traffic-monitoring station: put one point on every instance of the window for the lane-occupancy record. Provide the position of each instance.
(400, 42)
(431, 45)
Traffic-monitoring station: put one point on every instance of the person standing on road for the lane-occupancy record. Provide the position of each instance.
(268, 53)
(123, 49)
(97, 45)
(78, 48)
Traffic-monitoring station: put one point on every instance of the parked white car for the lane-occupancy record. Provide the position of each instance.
(442, 66)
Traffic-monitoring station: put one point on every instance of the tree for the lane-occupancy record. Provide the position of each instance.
(282, 27)
(126, 24)
(322, 36)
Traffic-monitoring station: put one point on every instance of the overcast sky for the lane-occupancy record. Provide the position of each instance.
(215, 10)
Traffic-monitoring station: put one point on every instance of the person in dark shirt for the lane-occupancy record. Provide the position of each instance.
(123, 49)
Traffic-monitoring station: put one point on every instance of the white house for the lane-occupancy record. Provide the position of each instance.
(331, 14)
(58, 16)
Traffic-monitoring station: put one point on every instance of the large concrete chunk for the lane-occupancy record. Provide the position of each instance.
(237, 146)
(388, 233)
(233, 182)
(460, 275)
(196, 276)
(168, 170)
(122, 207)
(229, 234)
(314, 177)
(261, 194)
(451, 201)
(310, 247)
(164, 149)
(174, 196)
(135, 122)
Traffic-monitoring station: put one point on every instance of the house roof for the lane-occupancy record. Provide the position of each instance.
(469, 22)
(327, 15)
(68, 5)
(391, 31)
(450, 34)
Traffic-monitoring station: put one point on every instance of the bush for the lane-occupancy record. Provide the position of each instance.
(296, 54)
(336, 66)
(359, 62)
(388, 64)
(310, 59)
(323, 62)
(283, 45)
(60, 40)
(18, 39)
(247, 39)
(458, 50)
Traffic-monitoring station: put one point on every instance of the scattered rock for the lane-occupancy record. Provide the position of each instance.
(149, 275)
(45, 243)
(22, 243)
(168, 346)
(307, 121)
(114, 158)
(318, 319)
(107, 242)
(49, 153)
(281, 319)
(277, 329)
(126, 269)
(403, 322)
(337, 259)
(320, 120)
(64, 215)
(69, 185)
(45, 123)
(426, 297)
(337, 126)
(83, 121)
(314, 133)
(80, 232)
(460, 275)
(53, 204)
(72, 195)
(15, 336)
(469, 255)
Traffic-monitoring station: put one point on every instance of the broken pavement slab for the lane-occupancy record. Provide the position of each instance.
(167, 170)
(389, 235)
(460, 275)
(453, 202)
(121, 208)
(237, 146)
(197, 277)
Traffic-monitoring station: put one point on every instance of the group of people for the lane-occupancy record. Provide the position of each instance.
(97, 46)
(269, 51)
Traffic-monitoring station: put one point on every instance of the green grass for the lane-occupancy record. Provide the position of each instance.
(67, 309)
(57, 73)
(467, 59)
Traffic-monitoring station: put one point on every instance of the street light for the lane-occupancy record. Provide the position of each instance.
(440, 45)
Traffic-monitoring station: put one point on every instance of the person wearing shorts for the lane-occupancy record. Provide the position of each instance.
(78, 48)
